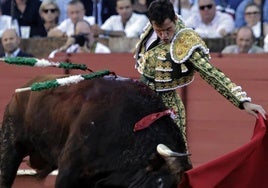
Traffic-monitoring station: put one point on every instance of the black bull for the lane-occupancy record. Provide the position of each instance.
(86, 131)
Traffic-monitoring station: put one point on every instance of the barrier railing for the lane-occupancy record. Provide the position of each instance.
(41, 47)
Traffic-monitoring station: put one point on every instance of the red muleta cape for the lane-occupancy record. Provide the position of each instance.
(246, 167)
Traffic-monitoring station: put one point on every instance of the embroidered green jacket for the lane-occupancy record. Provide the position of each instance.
(167, 67)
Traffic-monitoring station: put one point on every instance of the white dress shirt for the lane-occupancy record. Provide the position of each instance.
(134, 26)
(256, 29)
(67, 25)
(13, 54)
(211, 30)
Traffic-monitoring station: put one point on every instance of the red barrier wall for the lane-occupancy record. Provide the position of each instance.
(215, 126)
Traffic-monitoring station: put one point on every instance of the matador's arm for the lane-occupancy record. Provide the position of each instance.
(218, 80)
(188, 47)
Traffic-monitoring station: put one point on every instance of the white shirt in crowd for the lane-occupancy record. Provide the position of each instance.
(133, 28)
(5, 23)
(257, 29)
(67, 25)
(220, 21)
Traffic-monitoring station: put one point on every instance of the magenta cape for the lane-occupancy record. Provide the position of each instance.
(246, 167)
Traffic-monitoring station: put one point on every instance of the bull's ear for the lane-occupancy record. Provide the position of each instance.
(155, 162)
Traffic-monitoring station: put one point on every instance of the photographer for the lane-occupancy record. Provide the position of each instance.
(82, 41)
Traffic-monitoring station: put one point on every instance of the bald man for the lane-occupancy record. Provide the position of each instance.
(245, 43)
(10, 42)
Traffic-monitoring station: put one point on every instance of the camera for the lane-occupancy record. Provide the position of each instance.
(80, 39)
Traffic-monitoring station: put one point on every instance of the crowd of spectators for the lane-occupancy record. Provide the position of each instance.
(127, 18)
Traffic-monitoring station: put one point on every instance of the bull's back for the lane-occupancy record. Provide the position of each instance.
(42, 115)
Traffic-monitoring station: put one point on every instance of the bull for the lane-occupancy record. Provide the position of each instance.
(85, 130)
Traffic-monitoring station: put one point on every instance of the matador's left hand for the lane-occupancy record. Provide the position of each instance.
(254, 109)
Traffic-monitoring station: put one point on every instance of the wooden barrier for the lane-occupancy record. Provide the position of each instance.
(41, 47)
(214, 125)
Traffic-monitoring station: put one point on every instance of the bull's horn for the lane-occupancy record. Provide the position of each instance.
(166, 152)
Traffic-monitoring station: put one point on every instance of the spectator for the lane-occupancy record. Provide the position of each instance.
(76, 12)
(5, 22)
(127, 23)
(239, 13)
(11, 41)
(105, 9)
(49, 12)
(227, 6)
(25, 12)
(82, 41)
(265, 46)
(208, 22)
(245, 43)
(253, 20)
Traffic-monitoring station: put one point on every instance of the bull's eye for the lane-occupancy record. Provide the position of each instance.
(160, 183)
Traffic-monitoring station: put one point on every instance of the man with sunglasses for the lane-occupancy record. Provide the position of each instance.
(167, 56)
(210, 23)
(49, 12)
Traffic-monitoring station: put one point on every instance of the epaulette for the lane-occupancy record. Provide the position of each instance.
(184, 44)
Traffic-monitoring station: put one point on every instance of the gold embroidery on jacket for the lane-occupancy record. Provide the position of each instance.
(184, 44)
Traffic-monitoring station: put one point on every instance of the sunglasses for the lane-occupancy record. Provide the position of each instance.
(252, 13)
(209, 6)
(53, 10)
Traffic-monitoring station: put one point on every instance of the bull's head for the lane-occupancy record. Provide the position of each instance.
(176, 162)
(164, 171)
